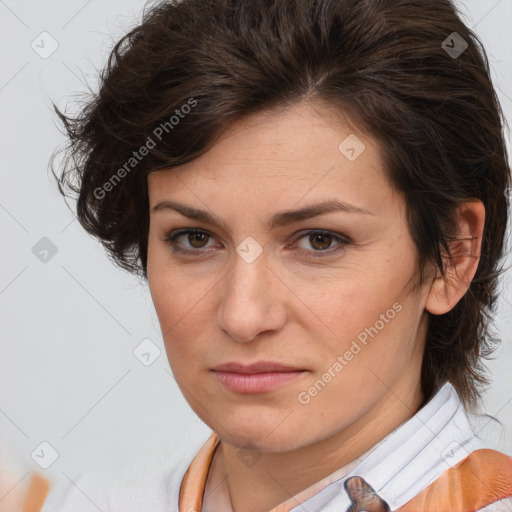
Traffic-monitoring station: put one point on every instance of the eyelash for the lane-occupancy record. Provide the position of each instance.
(171, 240)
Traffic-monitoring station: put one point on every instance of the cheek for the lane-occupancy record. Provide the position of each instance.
(173, 293)
(350, 302)
(369, 315)
(182, 312)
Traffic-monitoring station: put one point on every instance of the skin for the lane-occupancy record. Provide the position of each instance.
(289, 308)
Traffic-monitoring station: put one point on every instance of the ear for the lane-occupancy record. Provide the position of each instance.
(461, 268)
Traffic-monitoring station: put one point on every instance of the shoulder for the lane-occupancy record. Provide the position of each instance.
(483, 479)
(149, 486)
(84, 493)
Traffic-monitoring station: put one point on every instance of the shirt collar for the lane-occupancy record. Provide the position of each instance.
(398, 468)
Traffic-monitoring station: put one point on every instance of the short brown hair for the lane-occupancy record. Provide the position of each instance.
(386, 64)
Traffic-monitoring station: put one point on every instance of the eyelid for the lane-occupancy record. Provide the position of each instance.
(339, 236)
(299, 234)
(342, 240)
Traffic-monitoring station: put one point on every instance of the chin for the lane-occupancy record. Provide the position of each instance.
(264, 438)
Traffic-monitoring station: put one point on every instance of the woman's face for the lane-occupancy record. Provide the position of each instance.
(330, 295)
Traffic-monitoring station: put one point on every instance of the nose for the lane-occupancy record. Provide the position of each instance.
(253, 299)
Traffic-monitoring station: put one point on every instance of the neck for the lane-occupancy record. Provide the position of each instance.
(276, 477)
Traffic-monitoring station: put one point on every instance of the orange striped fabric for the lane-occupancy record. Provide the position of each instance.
(482, 478)
(36, 494)
(193, 483)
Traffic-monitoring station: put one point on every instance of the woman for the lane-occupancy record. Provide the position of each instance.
(315, 191)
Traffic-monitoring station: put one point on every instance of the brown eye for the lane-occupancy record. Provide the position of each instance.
(188, 241)
(197, 239)
(318, 244)
(320, 241)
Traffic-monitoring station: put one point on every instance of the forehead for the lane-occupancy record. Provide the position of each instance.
(300, 153)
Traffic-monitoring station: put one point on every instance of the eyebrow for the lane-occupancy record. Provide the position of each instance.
(282, 218)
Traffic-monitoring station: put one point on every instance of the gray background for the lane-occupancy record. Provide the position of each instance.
(68, 326)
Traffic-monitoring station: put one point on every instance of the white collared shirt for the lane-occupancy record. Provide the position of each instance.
(398, 468)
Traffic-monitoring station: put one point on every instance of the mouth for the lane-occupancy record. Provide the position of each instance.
(257, 377)
(258, 367)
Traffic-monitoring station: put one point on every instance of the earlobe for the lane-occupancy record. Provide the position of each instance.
(461, 268)
(438, 302)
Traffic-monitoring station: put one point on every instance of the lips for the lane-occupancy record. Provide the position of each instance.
(258, 377)
(258, 367)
